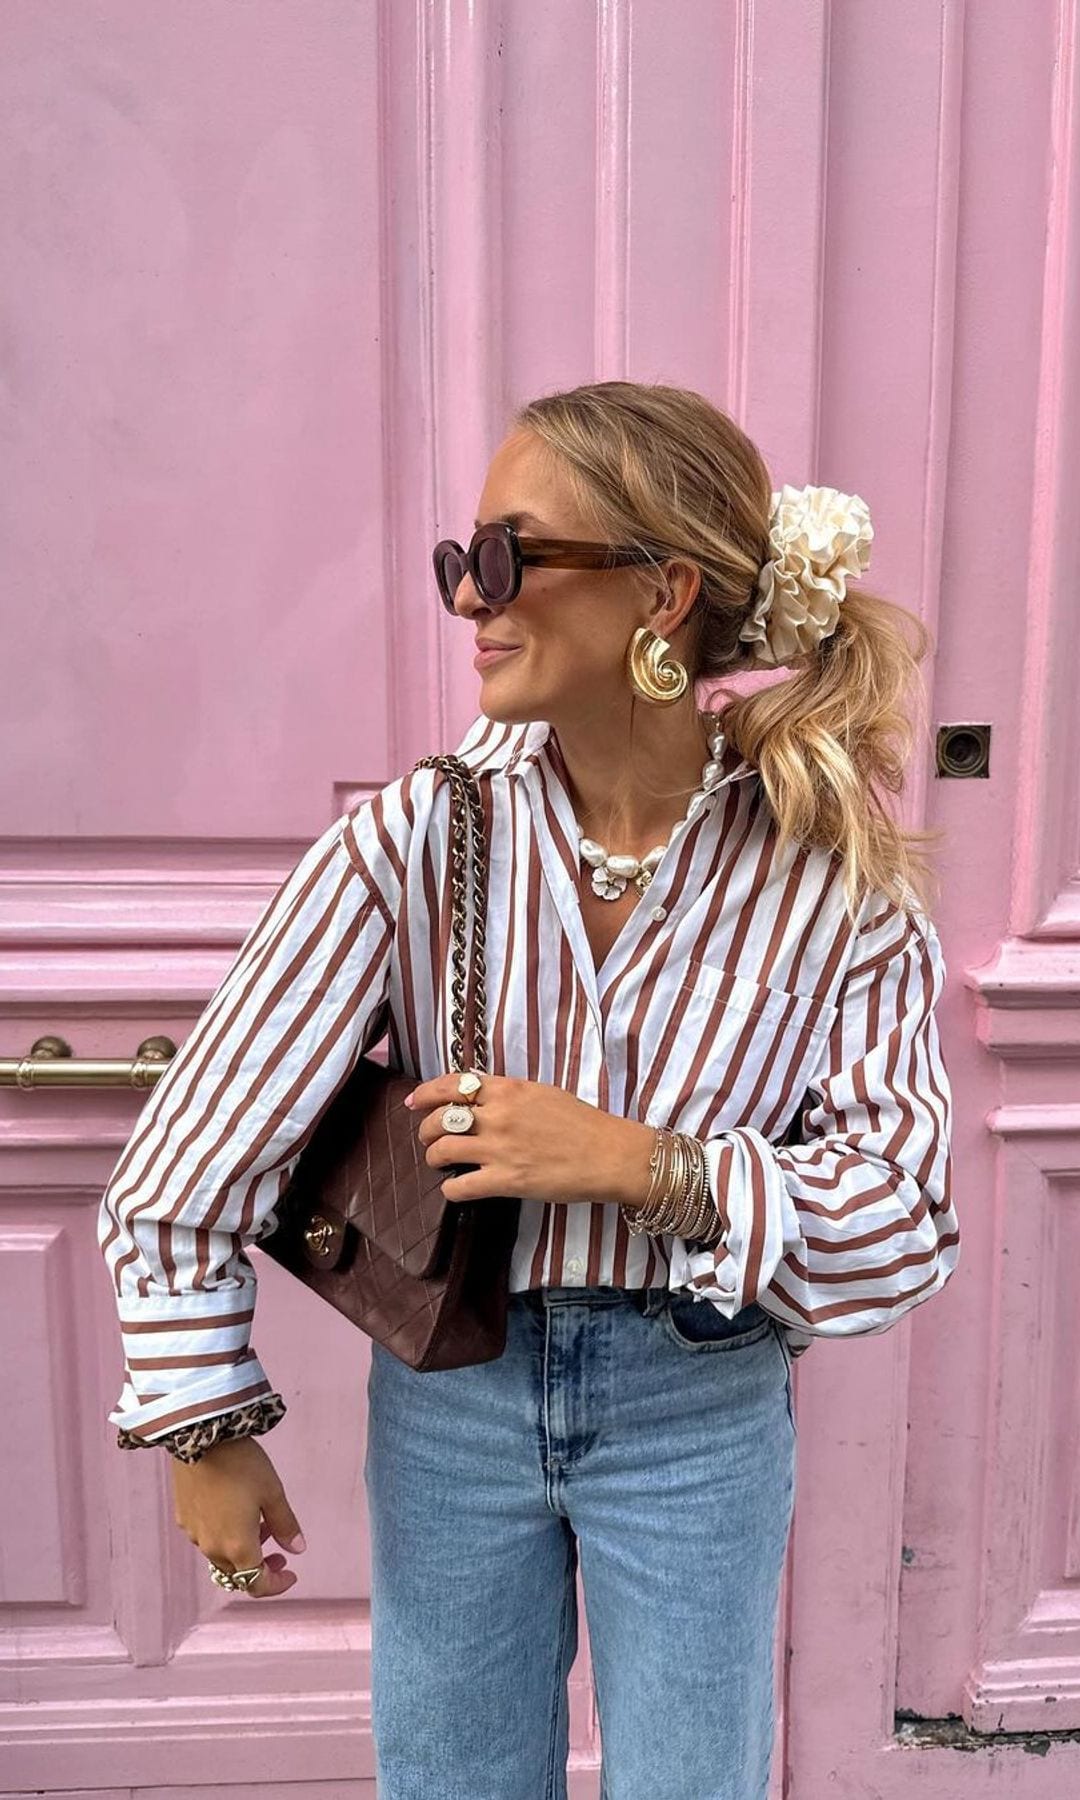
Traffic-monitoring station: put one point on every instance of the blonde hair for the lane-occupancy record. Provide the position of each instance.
(663, 469)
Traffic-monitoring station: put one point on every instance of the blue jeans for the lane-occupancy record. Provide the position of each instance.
(650, 1433)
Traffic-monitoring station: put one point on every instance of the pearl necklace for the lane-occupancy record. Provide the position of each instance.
(610, 874)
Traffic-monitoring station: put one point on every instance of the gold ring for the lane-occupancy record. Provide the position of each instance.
(235, 1580)
(469, 1084)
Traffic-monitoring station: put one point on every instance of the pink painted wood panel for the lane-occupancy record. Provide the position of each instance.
(276, 274)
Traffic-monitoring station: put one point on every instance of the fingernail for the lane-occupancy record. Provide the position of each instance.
(408, 1099)
(296, 1544)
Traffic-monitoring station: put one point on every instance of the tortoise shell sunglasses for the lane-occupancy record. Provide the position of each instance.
(497, 555)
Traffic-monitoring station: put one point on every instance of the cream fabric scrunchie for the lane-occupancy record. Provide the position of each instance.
(820, 538)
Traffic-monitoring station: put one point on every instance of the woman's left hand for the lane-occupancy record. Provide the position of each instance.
(534, 1141)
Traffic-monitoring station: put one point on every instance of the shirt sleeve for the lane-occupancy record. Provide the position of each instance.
(845, 1232)
(218, 1137)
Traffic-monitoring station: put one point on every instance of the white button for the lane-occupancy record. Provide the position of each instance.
(659, 912)
(575, 1266)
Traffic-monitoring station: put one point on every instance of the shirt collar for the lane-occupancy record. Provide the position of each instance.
(516, 750)
(489, 748)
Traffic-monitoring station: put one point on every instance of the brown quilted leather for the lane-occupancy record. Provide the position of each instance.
(364, 1223)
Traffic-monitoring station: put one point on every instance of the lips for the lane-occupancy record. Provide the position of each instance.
(489, 654)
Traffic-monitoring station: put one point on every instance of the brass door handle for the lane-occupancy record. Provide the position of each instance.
(51, 1064)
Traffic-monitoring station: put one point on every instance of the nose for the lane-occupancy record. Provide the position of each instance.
(468, 603)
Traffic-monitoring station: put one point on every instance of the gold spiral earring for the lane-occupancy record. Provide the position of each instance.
(656, 681)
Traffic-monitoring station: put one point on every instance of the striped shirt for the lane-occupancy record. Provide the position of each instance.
(739, 1003)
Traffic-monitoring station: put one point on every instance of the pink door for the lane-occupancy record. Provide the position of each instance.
(275, 276)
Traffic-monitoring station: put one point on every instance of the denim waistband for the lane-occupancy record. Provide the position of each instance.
(650, 1301)
(640, 1297)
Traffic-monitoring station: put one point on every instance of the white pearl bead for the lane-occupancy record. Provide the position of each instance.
(610, 874)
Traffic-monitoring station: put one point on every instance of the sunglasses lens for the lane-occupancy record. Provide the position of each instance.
(496, 568)
(450, 568)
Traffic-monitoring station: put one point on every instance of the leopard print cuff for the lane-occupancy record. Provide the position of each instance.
(189, 1442)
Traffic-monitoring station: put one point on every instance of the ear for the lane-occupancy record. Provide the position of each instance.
(674, 598)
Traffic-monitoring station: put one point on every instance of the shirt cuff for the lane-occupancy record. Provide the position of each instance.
(187, 1357)
(747, 1183)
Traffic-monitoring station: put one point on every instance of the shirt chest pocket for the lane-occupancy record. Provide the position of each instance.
(750, 1048)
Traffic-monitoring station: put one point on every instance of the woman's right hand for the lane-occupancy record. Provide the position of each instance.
(229, 1503)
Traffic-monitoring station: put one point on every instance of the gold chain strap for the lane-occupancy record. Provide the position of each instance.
(466, 810)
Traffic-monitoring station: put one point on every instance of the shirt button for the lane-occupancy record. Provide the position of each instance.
(659, 912)
(575, 1266)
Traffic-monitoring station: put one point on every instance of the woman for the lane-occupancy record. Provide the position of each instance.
(717, 1089)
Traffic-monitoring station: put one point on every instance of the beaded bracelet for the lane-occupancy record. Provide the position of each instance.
(190, 1442)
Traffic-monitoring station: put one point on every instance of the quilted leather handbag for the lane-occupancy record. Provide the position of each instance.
(363, 1221)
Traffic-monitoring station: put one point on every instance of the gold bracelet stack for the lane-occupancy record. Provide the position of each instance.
(679, 1199)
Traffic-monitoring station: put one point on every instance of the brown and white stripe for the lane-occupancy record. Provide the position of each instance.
(738, 1001)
